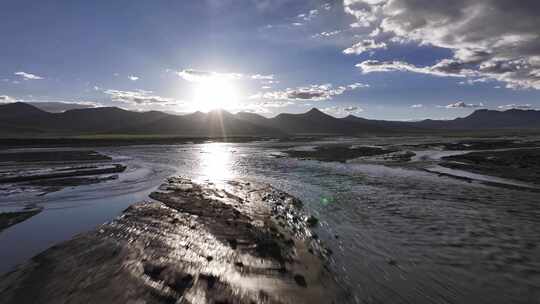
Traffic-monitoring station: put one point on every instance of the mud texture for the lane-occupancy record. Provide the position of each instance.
(199, 243)
(8, 219)
(486, 144)
(338, 153)
(116, 168)
(522, 164)
(52, 156)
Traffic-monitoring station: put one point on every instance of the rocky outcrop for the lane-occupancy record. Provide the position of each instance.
(198, 243)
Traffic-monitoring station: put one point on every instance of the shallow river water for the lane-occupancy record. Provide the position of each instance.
(398, 234)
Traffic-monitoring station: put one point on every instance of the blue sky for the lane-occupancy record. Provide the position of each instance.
(361, 57)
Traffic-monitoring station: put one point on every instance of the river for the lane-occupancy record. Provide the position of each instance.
(398, 234)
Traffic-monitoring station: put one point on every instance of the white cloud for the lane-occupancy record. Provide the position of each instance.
(516, 106)
(309, 15)
(327, 34)
(363, 46)
(463, 105)
(6, 99)
(28, 76)
(313, 92)
(133, 78)
(492, 39)
(417, 106)
(140, 97)
(444, 68)
(358, 85)
(262, 77)
(338, 111)
(192, 75)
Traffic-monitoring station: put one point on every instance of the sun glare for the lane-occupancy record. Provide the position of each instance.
(216, 162)
(215, 93)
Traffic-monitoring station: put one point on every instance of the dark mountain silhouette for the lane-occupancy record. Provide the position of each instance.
(315, 121)
(24, 119)
(213, 124)
(59, 107)
(20, 119)
(496, 119)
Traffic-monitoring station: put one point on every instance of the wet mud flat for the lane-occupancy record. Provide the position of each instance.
(338, 153)
(480, 144)
(53, 170)
(522, 165)
(196, 243)
(50, 156)
(8, 219)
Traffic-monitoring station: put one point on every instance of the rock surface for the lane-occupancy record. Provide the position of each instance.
(199, 243)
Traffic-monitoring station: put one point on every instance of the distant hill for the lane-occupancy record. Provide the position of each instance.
(26, 120)
(59, 107)
(21, 119)
(314, 122)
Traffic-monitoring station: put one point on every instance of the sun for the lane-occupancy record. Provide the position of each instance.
(215, 93)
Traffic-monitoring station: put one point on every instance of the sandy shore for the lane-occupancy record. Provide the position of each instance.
(198, 243)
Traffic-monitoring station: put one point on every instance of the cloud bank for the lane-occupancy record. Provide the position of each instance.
(491, 39)
(314, 92)
(28, 76)
(139, 97)
(463, 105)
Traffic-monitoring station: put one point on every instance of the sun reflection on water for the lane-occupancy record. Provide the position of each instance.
(215, 162)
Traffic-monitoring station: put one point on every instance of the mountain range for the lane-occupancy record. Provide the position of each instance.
(23, 120)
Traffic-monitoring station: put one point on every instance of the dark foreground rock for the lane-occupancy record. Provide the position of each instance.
(200, 243)
(8, 219)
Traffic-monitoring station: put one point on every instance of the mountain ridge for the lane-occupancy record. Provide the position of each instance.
(25, 119)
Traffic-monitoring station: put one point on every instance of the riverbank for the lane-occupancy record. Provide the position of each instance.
(239, 242)
(521, 165)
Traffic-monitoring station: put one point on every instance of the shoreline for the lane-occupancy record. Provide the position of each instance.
(240, 242)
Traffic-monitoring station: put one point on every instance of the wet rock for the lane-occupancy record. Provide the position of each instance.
(210, 280)
(233, 243)
(312, 221)
(300, 280)
(153, 271)
(146, 256)
(239, 264)
(180, 282)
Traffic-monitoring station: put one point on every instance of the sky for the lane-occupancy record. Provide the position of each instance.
(381, 59)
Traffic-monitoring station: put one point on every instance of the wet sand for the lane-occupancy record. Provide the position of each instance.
(198, 243)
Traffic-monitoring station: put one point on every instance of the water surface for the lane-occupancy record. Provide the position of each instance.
(399, 234)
